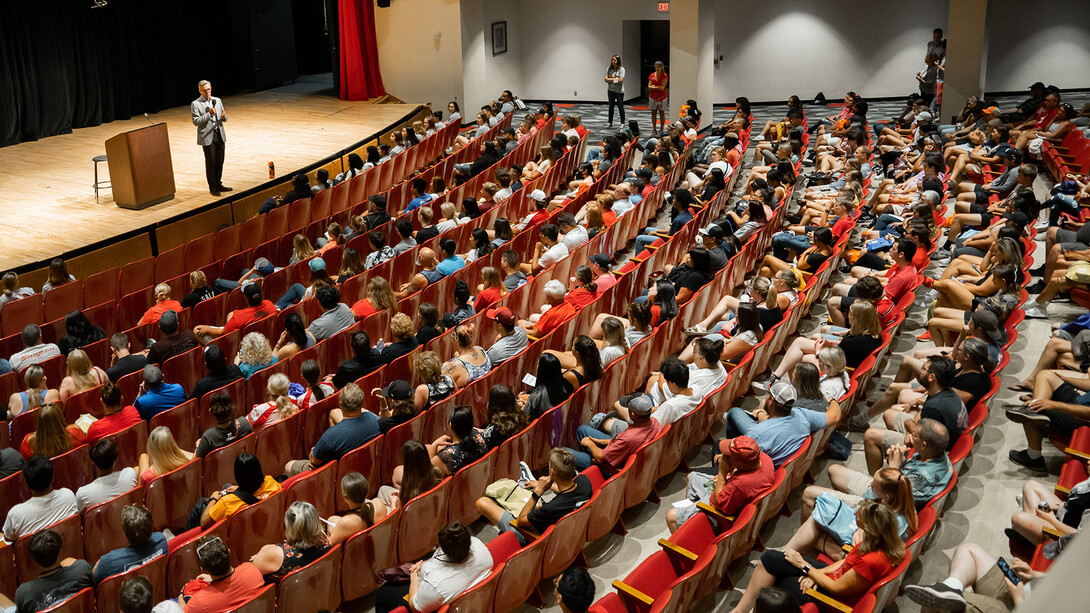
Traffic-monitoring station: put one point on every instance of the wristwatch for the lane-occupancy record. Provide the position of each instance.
(806, 569)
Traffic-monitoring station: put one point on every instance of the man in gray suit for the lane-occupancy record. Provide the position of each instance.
(209, 116)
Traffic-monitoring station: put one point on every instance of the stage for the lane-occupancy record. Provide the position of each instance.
(48, 205)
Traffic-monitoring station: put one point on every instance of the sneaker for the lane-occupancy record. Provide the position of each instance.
(1041, 227)
(1022, 415)
(694, 331)
(1062, 297)
(1037, 287)
(1021, 458)
(938, 595)
(867, 217)
(1037, 272)
(765, 385)
(808, 162)
(1035, 311)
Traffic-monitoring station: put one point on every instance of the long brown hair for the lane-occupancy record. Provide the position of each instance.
(880, 531)
(895, 489)
(51, 438)
(34, 377)
(381, 294)
(418, 474)
(80, 368)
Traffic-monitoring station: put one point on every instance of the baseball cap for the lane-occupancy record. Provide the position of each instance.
(600, 259)
(251, 290)
(264, 267)
(538, 195)
(923, 116)
(783, 393)
(168, 320)
(502, 315)
(991, 110)
(639, 404)
(988, 323)
(398, 390)
(317, 265)
(1017, 217)
(743, 451)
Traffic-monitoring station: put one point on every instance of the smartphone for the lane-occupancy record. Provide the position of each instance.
(1003, 566)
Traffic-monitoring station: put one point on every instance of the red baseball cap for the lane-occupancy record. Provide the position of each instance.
(503, 315)
(743, 451)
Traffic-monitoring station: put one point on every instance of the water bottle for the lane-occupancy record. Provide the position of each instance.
(272, 170)
(379, 345)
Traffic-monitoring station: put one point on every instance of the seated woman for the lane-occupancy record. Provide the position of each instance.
(539, 165)
(501, 232)
(10, 289)
(806, 378)
(613, 345)
(380, 297)
(482, 245)
(462, 310)
(694, 272)
(505, 417)
(825, 532)
(826, 355)
(471, 361)
(706, 371)
(163, 455)
(351, 265)
(461, 446)
(808, 261)
(52, 436)
(662, 299)
(862, 336)
(582, 290)
(361, 514)
(300, 249)
(1002, 279)
(318, 278)
(582, 364)
(334, 237)
(970, 268)
(36, 395)
(550, 390)
(435, 386)
(294, 338)
(397, 407)
(753, 219)
(304, 542)
(254, 354)
(252, 485)
(380, 251)
(80, 332)
(490, 291)
(82, 375)
(58, 275)
(228, 428)
(417, 475)
(316, 388)
(694, 181)
(163, 303)
(771, 296)
(279, 406)
(878, 551)
(638, 326)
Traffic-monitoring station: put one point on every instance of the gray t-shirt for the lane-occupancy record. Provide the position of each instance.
(332, 321)
(404, 245)
(39, 512)
(105, 488)
(508, 346)
(617, 88)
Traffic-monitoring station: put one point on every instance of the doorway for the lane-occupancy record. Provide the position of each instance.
(654, 47)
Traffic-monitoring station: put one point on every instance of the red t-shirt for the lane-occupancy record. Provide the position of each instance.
(656, 80)
(741, 488)
(228, 593)
(555, 316)
(609, 218)
(871, 566)
(580, 297)
(487, 298)
(112, 424)
(537, 218)
(626, 443)
(887, 311)
(363, 309)
(656, 315)
(581, 131)
(920, 259)
(900, 281)
(605, 282)
(152, 315)
(841, 226)
(241, 317)
(1045, 116)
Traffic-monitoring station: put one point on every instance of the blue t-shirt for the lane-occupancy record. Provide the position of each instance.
(451, 265)
(679, 222)
(416, 203)
(345, 436)
(153, 402)
(127, 558)
(780, 437)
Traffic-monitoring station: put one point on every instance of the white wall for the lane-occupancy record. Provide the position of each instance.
(416, 67)
(1049, 42)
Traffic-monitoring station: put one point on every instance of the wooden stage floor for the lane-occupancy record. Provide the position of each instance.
(47, 204)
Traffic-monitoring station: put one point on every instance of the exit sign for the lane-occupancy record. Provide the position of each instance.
(664, 7)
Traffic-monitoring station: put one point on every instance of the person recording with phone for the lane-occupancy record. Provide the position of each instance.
(209, 116)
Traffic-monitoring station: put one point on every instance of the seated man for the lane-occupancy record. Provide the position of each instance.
(363, 362)
(539, 214)
(355, 428)
(574, 235)
(427, 275)
(548, 251)
(137, 596)
(221, 587)
(220, 373)
(228, 428)
(559, 311)
(779, 428)
(122, 361)
(173, 343)
(461, 562)
(513, 277)
(58, 580)
(404, 229)
(574, 590)
(610, 453)
(114, 419)
(452, 262)
(681, 402)
(156, 395)
(337, 316)
(34, 350)
(144, 544)
(1059, 404)
(510, 337)
(376, 212)
(257, 308)
(743, 472)
(418, 190)
(109, 482)
(680, 215)
(46, 506)
(973, 567)
(941, 404)
(567, 492)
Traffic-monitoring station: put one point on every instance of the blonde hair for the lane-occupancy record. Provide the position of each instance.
(302, 529)
(865, 319)
(301, 248)
(197, 280)
(277, 387)
(381, 294)
(428, 367)
(34, 376)
(79, 368)
(761, 287)
(832, 358)
(613, 333)
(163, 451)
(447, 210)
(880, 531)
(401, 326)
(890, 483)
(162, 292)
(51, 437)
(491, 277)
(255, 349)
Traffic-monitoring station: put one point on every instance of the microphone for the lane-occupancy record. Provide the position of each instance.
(149, 119)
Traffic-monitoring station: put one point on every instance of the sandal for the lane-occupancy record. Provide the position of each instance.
(1021, 387)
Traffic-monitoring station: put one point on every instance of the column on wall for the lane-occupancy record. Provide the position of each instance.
(966, 55)
(476, 49)
(692, 56)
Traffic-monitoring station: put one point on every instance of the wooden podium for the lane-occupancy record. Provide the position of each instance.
(141, 171)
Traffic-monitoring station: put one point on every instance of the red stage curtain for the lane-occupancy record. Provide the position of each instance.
(359, 77)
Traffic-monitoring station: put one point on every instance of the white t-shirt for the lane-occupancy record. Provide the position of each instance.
(721, 165)
(610, 353)
(576, 237)
(441, 581)
(105, 488)
(620, 207)
(39, 512)
(832, 388)
(676, 407)
(553, 254)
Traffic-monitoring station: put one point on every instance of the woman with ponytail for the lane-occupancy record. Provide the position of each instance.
(279, 406)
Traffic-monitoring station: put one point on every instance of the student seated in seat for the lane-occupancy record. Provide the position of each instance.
(228, 428)
(144, 544)
(742, 472)
(109, 482)
(46, 506)
(114, 419)
(58, 580)
(461, 562)
(305, 541)
(257, 308)
(361, 514)
(611, 453)
(778, 426)
(355, 428)
(252, 485)
(974, 567)
(220, 587)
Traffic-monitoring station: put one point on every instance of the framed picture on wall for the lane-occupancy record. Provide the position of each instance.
(499, 37)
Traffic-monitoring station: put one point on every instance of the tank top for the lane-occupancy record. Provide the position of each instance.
(25, 396)
(441, 388)
(476, 371)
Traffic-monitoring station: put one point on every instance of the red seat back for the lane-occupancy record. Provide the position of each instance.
(367, 461)
(62, 299)
(13, 490)
(318, 487)
(184, 368)
(420, 521)
(87, 401)
(169, 497)
(73, 469)
(280, 443)
(236, 390)
(170, 263)
(264, 602)
(131, 442)
(109, 591)
(182, 423)
(100, 288)
(200, 251)
(72, 547)
(19, 313)
(373, 548)
(521, 574)
(82, 601)
(466, 486)
(566, 543)
(219, 464)
(182, 562)
(315, 586)
(255, 526)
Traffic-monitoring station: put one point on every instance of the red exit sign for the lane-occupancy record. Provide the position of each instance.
(664, 7)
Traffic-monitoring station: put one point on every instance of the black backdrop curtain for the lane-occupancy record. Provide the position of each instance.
(64, 65)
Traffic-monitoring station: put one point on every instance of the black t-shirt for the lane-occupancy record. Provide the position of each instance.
(769, 317)
(857, 347)
(353, 369)
(200, 294)
(975, 383)
(426, 233)
(67, 343)
(947, 407)
(718, 258)
(683, 276)
(374, 220)
(549, 513)
(385, 424)
(425, 334)
(392, 351)
(216, 437)
(129, 364)
(214, 381)
(57, 586)
(175, 344)
(814, 261)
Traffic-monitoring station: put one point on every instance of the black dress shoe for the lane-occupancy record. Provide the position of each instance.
(224, 188)
(214, 193)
